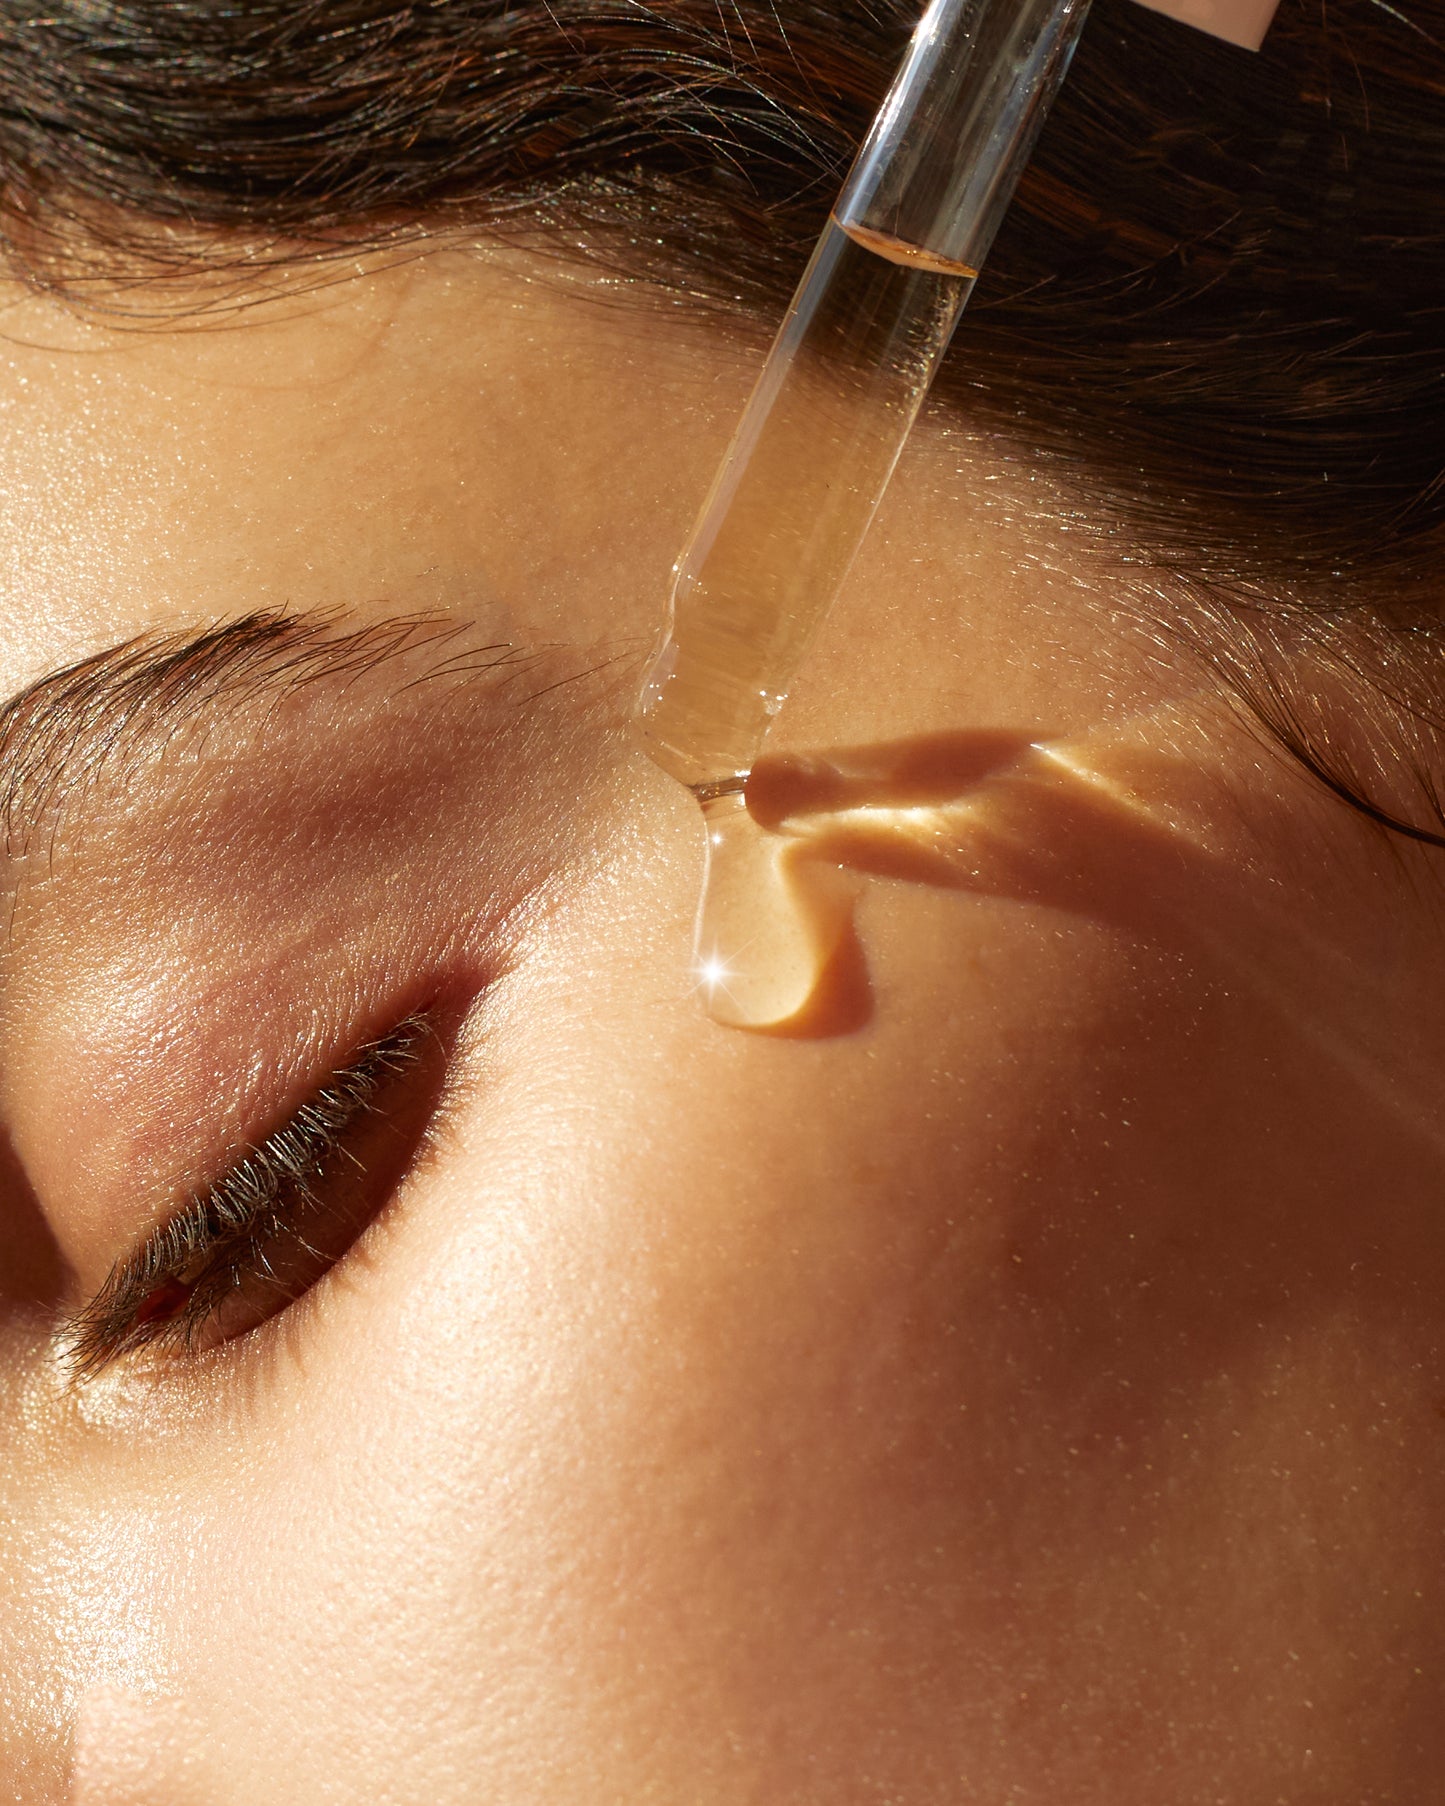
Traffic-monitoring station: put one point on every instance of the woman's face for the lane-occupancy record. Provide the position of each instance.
(1025, 1388)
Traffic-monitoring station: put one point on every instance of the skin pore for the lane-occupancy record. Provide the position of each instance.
(1030, 1395)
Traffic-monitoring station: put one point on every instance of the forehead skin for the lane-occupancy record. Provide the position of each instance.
(1029, 1395)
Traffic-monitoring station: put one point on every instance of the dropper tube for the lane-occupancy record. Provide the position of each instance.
(847, 374)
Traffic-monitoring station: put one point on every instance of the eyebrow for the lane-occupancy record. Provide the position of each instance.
(58, 735)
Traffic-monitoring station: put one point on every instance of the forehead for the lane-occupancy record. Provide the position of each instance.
(420, 436)
(474, 432)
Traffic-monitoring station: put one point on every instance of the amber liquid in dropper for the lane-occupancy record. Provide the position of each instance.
(795, 496)
(789, 509)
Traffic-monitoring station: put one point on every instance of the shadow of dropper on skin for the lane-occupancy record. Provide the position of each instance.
(1135, 826)
(909, 773)
(1044, 822)
(1090, 826)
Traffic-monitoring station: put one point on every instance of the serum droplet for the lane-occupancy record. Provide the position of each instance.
(770, 922)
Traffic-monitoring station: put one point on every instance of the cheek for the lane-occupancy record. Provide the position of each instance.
(660, 1387)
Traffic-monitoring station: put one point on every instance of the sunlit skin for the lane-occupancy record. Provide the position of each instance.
(1028, 1391)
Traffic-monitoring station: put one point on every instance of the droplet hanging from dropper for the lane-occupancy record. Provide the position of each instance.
(771, 919)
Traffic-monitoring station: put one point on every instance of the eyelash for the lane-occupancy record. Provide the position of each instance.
(169, 1293)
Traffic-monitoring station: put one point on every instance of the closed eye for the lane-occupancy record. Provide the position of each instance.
(285, 1212)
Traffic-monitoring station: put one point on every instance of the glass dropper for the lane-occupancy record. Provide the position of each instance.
(807, 467)
(862, 339)
(850, 367)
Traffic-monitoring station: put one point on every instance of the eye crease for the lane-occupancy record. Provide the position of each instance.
(248, 1245)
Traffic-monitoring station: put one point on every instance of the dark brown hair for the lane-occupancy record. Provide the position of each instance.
(1216, 302)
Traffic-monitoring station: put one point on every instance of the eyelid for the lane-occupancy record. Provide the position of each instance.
(260, 1196)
